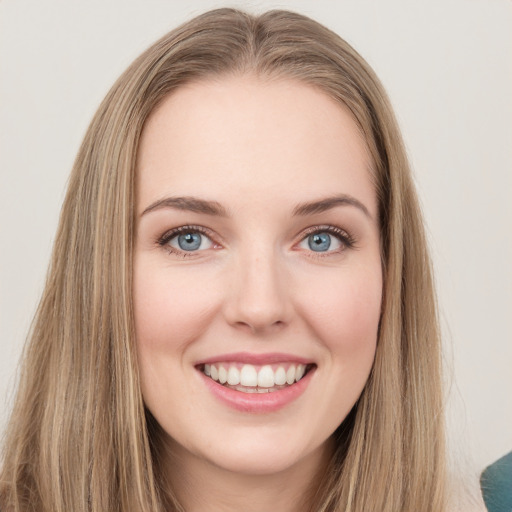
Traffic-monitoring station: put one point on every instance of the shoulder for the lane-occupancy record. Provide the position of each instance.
(495, 483)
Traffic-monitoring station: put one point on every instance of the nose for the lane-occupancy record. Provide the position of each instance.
(258, 299)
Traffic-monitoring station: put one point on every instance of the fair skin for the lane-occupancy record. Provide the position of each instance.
(277, 265)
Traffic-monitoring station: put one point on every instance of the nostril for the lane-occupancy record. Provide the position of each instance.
(260, 327)
(258, 297)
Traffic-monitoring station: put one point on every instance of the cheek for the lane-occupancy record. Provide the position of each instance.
(345, 313)
(171, 307)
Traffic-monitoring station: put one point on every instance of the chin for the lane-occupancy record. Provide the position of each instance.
(260, 454)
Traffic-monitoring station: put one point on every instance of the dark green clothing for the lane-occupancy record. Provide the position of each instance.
(496, 484)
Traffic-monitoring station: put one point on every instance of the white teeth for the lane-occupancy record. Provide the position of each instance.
(280, 376)
(290, 375)
(266, 377)
(223, 375)
(249, 377)
(233, 376)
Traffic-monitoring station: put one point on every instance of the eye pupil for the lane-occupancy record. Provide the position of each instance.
(189, 241)
(319, 242)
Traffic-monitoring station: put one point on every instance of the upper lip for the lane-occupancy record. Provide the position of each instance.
(255, 359)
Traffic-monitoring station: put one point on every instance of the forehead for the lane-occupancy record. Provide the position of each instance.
(253, 135)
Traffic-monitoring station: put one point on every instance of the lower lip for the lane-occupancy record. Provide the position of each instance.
(258, 402)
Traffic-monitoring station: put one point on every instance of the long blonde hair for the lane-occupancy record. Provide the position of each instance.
(78, 438)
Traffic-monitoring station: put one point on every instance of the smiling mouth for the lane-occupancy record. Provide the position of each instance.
(249, 378)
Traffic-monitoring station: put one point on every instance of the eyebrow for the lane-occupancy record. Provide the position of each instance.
(328, 203)
(191, 204)
(194, 204)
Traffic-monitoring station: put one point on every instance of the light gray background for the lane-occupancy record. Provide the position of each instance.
(447, 65)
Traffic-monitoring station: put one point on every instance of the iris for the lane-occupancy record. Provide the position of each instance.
(319, 242)
(189, 241)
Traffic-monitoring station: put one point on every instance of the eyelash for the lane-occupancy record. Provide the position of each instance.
(164, 240)
(347, 240)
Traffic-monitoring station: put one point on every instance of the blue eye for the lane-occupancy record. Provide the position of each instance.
(188, 241)
(329, 239)
(319, 242)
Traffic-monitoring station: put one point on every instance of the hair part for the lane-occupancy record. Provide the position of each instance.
(78, 438)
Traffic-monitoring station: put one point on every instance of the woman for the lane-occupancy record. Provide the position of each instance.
(239, 311)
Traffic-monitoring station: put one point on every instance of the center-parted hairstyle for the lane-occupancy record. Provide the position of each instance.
(79, 438)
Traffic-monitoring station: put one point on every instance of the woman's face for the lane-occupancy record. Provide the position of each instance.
(257, 260)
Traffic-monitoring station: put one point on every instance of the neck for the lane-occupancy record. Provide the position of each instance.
(200, 485)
